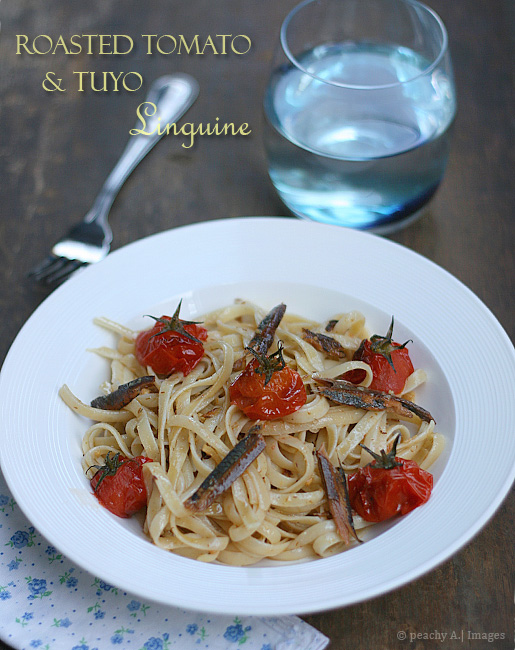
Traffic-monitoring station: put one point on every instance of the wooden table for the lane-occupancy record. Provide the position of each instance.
(57, 148)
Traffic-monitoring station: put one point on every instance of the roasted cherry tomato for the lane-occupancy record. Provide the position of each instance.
(388, 486)
(389, 361)
(172, 345)
(119, 484)
(267, 389)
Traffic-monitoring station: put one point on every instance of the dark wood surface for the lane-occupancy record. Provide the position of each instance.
(57, 148)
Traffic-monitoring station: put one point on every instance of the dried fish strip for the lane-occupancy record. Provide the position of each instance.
(226, 472)
(264, 336)
(344, 392)
(337, 496)
(342, 478)
(323, 343)
(331, 325)
(123, 395)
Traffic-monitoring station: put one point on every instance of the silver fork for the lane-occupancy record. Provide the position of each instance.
(90, 240)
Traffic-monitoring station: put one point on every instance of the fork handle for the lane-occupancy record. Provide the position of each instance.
(172, 95)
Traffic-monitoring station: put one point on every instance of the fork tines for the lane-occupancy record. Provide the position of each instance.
(54, 270)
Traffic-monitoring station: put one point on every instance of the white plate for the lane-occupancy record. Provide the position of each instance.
(317, 270)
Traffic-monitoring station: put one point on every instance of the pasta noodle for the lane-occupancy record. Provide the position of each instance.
(277, 508)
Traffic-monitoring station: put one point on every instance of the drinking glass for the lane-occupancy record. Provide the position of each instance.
(358, 111)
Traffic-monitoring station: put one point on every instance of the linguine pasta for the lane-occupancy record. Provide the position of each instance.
(277, 508)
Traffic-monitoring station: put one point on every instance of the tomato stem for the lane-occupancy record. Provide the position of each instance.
(384, 460)
(175, 324)
(268, 364)
(385, 346)
(110, 467)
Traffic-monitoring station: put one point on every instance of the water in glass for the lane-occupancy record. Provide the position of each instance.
(343, 153)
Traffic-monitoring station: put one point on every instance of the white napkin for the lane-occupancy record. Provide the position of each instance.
(49, 603)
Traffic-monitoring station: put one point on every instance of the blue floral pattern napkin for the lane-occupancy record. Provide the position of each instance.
(48, 603)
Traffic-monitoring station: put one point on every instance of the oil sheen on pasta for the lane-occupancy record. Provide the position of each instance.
(277, 508)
